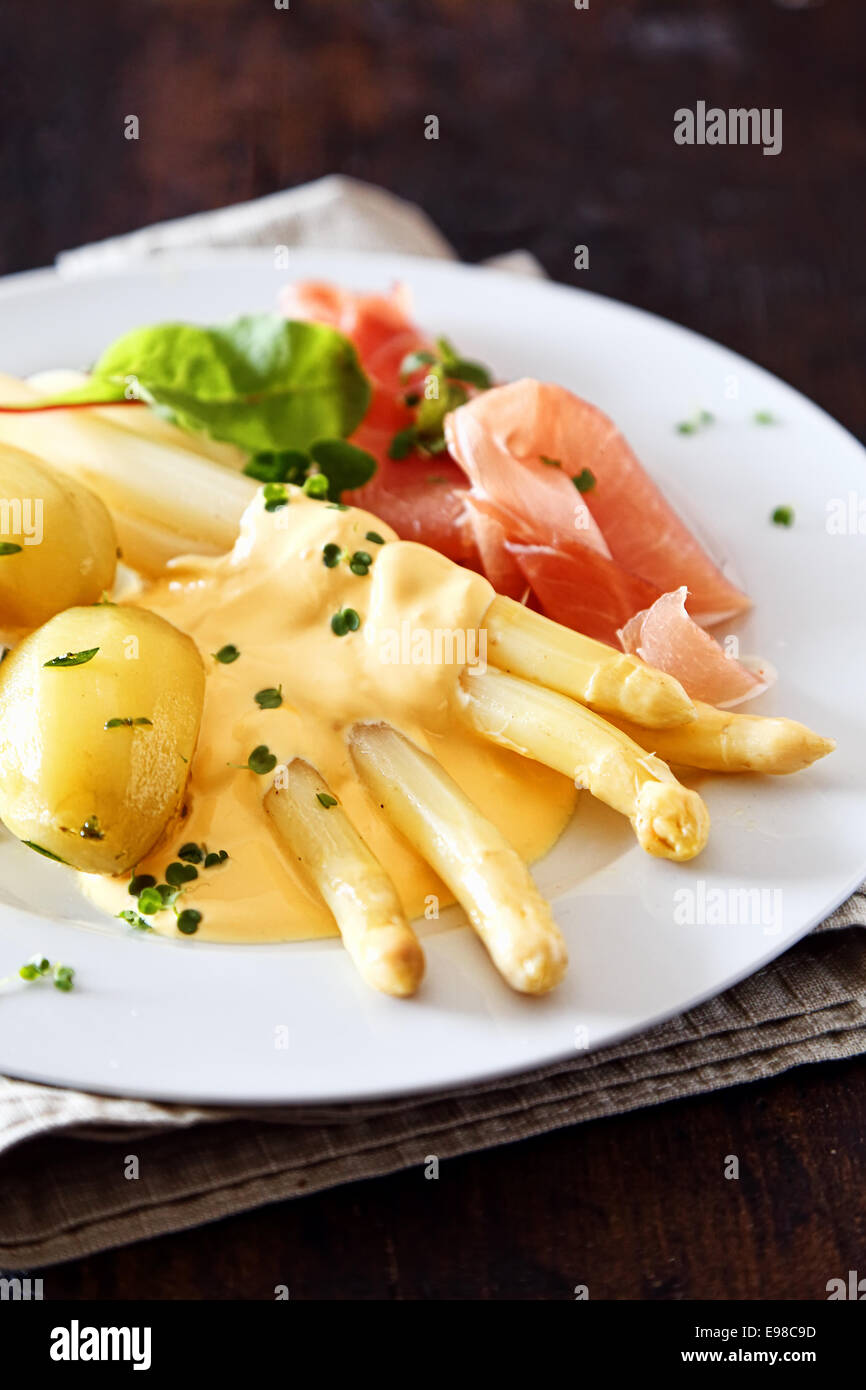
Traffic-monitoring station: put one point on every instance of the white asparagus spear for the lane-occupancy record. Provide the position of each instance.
(726, 741)
(670, 821)
(141, 420)
(191, 504)
(353, 883)
(529, 645)
(469, 854)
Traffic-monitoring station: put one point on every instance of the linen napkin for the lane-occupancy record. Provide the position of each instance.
(64, 1154)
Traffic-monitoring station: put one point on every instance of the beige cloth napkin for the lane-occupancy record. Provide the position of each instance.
(65, 1156)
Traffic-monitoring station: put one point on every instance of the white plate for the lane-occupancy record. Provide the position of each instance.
(200, 1022)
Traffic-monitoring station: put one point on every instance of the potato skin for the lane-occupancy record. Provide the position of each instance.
(74, 560)
(60, 767)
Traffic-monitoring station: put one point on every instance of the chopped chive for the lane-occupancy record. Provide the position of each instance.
(226, 655)
(177, 874)
(150, 901)
(188, 920)
(551, 463)
(139, 882)
(585, 480)
(260, 761)
(135, 919)
(316, 485)
(402, 443)
(269, 698)
(35, 967)
(275, 496)
(326, 800)
(73, 658)
(783, 516)
(347, 620)
(31, 844)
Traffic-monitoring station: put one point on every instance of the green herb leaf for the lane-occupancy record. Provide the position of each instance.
(331, 555)
(168, 894)
(226, 655)
(360, 562)
(326, 800)
(764, 417)
(783, 516)
(35, 967)
(262, 382)
(282, 466)
(215, 858)
(275, 496)
(188, 920)
(270, 698)
(46, 853)
(345, 466)
(63, 977)
(139, 882)
(403, 443)
(135, 919)
(375, 538)
(191, 853)
(127, 723)
(177, 874)
(585, 480)
(261, 760)
(551, 463)
(316, 485)
(73, 658)
(150, 901)
(347, 620)
(9, 548)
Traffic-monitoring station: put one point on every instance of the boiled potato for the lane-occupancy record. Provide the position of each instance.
(95, 750)
(57, 542)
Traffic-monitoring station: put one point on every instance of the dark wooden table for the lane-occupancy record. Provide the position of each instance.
(556, 128)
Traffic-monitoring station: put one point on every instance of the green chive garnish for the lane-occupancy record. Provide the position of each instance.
(188, 920)
(347, 620)
(135, 919)
(584, 481)
(269, 698)
(177, 874)
(783, 516)
(316, 485)
(226, 655)
(73, 658)
(375, 538)
(764, 417)
(139, 882)
(326, 800)
(150, 901)
(9, 548)
(276, 496)
(31, 844)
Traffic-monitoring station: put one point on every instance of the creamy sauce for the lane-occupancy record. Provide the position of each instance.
(273, 598)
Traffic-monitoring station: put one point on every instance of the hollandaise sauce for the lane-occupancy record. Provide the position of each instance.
(326, 617)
